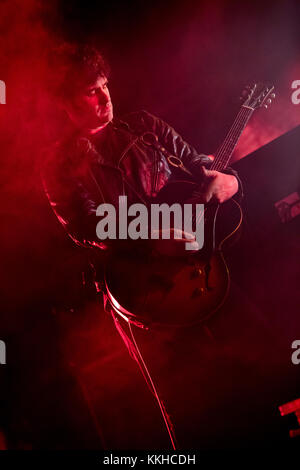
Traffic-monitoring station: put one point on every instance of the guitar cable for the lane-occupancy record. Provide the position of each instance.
(135, 352)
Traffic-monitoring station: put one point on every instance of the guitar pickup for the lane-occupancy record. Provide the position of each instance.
(197, 272)
(197, 292)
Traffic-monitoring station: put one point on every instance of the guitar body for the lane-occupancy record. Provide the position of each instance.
(174, 291)
(168, 292)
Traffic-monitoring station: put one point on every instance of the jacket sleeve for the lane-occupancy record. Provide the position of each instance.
(75, 208)
(175, 145)
(72, 204)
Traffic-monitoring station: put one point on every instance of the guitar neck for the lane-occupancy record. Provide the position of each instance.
(225, 151)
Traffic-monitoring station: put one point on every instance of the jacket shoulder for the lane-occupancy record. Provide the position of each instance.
(140, 121)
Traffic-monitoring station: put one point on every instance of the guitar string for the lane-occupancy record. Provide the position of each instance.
(225, 145)
(236, 132)
(222, 163)
(229, 140)
(239, 124)
(236, 128)
(225, 152)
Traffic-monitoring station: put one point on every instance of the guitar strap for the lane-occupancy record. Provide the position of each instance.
(150, 139)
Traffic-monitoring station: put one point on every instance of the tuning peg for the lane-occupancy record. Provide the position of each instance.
(269, 101)
(265, 106)
(273, 95)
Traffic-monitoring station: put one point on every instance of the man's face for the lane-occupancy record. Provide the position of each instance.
(91, 108)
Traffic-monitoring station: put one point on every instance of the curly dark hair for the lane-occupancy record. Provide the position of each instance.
(75, 66)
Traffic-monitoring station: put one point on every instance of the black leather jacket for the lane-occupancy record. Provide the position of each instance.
(81, 173)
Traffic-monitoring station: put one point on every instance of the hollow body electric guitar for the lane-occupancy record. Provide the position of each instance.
(180, 291)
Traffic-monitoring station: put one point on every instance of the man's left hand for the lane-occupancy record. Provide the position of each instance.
(218, 186)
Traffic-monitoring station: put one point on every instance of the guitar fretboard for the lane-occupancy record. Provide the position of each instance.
(225, 151)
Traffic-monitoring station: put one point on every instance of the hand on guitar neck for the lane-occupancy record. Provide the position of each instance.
(218, 187)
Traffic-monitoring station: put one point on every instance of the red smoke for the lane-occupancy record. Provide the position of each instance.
(268, 124)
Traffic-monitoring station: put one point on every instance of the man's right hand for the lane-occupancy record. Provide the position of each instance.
(175, 245)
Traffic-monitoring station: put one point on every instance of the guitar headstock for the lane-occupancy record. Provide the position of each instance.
(258, 95)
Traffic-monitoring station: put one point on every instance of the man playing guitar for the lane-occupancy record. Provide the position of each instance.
(101, 158)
